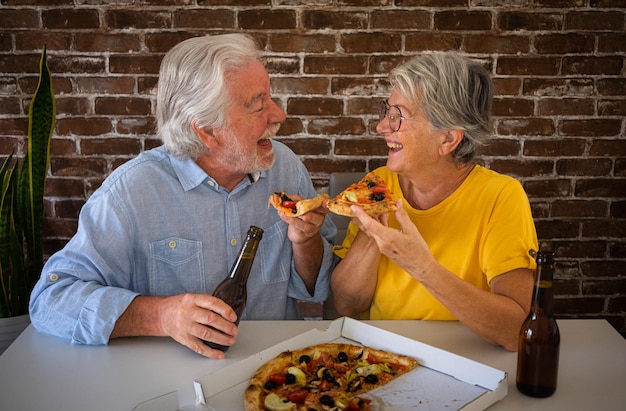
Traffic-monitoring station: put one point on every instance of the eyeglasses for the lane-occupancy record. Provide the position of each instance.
(393, 114)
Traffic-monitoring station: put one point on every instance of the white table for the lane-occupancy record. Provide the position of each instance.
(39, 372)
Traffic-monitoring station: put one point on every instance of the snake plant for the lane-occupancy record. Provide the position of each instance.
(21, 202)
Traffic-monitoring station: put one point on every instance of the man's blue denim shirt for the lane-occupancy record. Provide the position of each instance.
(160, 226)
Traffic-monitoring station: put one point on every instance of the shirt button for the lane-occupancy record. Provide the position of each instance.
(233, 241)
(210, 183)
(53, 277)
(172, 244)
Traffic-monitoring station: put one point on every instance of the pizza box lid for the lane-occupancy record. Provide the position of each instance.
(442, 380)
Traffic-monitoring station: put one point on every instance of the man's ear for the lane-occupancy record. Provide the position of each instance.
(451, 140)
(205, 135)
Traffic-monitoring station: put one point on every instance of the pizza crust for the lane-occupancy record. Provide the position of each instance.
(342, 207)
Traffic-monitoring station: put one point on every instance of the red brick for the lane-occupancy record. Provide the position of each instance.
(322, 165)
(523, 168)
(591, 127)
(83, 126)
(595, 20)
(333, 19)
(360, 87)
(308, 146)
(336, 126)
(557, 229)
(600, 187)
(315, 106)
(564, 43)
(611, 86)
(565, 107)
(335, 65)
(120, 146)
(526, 126)
(528, 66)
(500, 44)
(553, 147)
(593, 65)
(128, 64)
(401, 19)
(533, 21)
(371, 42)
(512, 107)
(579, 249)
(558, 87)
(579, 305)
(298, 43)
(584, 167)
(580, 209)
(201, 19)
(462, 20)
(123, 106)
(118, 42)
(267, 19)
(432, 41)
(78, 167)
(69, 18)
(136, 126)
(554, 187)
(361, 147)
(105, 85)
(19, 19)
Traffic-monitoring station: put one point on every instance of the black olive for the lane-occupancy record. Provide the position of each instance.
(358, 357)
(342, 357)
(304, 359)
(377, 196)
(371, 184)
(371, 379)
(270, 385)
(290, 378)
(327, 400)
(328, 377)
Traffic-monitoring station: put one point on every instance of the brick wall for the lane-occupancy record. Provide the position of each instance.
(558, 67)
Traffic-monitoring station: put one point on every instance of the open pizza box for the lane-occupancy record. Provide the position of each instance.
(442, 380)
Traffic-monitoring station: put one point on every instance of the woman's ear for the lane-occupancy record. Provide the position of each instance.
(451, 140)
(205, 135)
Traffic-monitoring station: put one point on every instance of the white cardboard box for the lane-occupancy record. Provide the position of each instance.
(443, 381)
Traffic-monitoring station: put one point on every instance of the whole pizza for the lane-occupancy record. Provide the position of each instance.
(323, 377)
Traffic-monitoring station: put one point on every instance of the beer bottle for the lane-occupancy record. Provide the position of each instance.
(539, 338)
(233, 290)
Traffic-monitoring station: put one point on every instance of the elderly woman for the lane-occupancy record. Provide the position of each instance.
(457, 248)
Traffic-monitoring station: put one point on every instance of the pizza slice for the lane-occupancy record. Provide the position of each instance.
(295, 208)
(323, 376)
(370, 193)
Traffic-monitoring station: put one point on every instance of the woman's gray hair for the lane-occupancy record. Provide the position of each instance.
(192, 88)
(454, 92)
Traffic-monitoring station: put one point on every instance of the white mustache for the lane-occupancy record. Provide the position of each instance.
(271, 131)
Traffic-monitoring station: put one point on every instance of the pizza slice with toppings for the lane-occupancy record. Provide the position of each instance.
(370, 193)
(295, 208)
(328, 376)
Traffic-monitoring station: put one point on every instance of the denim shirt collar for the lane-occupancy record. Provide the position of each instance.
(191, 175)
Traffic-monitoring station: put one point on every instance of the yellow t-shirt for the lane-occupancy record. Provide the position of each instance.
(484, 229)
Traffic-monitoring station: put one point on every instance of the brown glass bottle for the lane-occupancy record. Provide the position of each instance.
(233, 290)
(539, 338)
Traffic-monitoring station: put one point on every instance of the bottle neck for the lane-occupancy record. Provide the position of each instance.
(543, 291)
(243, 263)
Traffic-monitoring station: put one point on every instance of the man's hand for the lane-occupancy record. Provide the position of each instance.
(187, 318)
(305, 227)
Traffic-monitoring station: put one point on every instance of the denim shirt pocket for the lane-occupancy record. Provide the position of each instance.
(176, 266)
(274, 254)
